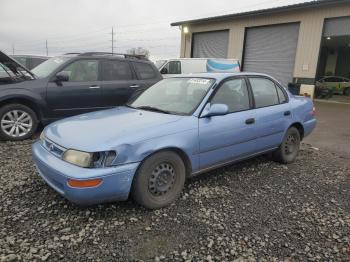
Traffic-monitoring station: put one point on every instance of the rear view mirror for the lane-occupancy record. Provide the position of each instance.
(62, 77)
(215, 110)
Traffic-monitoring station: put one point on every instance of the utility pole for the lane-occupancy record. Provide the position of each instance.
(113, 33)
(47, 49)
(13, 49)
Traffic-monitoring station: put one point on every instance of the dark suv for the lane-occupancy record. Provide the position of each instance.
(67, 85)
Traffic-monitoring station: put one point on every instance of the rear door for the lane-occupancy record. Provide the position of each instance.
(80, 94)
(118, 82)
(273, 112)
(147, 75)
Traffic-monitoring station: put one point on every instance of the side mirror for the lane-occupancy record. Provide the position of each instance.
(215, 110)
(164, 71)
(62, 77)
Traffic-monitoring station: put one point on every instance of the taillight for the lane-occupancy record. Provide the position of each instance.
(313, 112)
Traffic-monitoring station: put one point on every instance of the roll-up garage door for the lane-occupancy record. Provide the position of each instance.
(339, 26)
(210, 44)
(272, 50)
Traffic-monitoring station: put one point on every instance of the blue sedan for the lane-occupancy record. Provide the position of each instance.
(179, 127)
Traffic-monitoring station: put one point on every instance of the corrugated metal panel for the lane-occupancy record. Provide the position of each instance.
(210, 44)
(337, 26)
(271, 50)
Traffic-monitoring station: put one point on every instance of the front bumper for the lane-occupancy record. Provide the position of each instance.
(116, 181)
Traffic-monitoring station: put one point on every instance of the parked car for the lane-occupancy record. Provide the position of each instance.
(339, 85)
(179, 127)
(29, 61)
(67, 85)
(173, 67)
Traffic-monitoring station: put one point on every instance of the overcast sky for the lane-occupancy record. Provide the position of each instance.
(85, 25)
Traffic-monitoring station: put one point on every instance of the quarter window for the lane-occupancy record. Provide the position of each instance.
(82, 71)
(116, 70)
(145, 71)
(234, 94)
(264, 92)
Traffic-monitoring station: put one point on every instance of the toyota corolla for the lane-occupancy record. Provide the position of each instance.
(179, 127)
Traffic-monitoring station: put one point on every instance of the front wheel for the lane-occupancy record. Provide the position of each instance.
(17, 122)
(160, 180)
(288, 150)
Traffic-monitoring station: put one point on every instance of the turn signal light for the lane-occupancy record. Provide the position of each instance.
(84, 183)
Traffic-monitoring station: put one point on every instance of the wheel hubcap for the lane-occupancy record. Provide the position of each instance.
(290, 144)
(16, 123)
(162, 179)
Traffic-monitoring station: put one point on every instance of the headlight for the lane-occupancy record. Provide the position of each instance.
(85, 159)
(78, 158)
(42, 136)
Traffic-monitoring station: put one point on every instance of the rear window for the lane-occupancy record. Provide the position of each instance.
(144, 71)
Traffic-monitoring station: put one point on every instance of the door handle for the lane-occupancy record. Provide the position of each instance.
(134, 86)
(287, 113)
(94, 87)
(250, 121)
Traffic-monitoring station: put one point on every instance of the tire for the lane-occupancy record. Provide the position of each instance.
(288, 150)
(17, 122)
(159, 181)
(347, 91)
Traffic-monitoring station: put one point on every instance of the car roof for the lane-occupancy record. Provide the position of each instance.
(221, 76)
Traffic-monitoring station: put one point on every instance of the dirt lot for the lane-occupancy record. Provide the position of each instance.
(333, 127)
(256, 210)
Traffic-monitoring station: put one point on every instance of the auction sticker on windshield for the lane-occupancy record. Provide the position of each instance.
(199, 81)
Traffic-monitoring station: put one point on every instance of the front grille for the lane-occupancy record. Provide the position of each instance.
(53, 148)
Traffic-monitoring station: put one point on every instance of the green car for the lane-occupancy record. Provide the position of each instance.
(339, 85)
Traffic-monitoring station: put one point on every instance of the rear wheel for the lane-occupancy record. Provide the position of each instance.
(288, 150)
(347, 91)
(160, 180)
(17, 122)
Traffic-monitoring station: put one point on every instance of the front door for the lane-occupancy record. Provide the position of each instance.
(232, 136)
(80, 94)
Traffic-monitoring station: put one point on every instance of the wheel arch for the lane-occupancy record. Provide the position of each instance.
(23, 101)
(185, 158)
(300, 128)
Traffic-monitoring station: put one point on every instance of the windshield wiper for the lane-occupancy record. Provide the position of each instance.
(155, 109)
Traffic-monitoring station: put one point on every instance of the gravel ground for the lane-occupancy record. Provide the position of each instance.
(256, 210)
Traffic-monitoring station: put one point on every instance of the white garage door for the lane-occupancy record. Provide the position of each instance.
(271, 50)
(210, 44)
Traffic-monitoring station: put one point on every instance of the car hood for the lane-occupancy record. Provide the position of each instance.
(13, 65)
(103, 130)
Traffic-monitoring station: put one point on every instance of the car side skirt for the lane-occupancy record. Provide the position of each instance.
(206, 169)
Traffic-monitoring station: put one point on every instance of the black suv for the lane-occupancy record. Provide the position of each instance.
(67, 85)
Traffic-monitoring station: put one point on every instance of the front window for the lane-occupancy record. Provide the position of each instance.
(82, 71)
(174, 95)
(47, 67)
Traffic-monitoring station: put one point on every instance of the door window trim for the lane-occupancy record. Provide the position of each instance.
(276, 86)
(218, 86)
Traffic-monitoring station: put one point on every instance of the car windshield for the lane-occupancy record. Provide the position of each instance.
(47, 67)
(174, 95)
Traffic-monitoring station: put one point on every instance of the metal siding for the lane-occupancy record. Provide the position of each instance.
(210, 44)
(337, 26)
(272, 50)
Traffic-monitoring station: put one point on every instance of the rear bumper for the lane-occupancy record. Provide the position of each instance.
(309, 126)
(116, 181)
